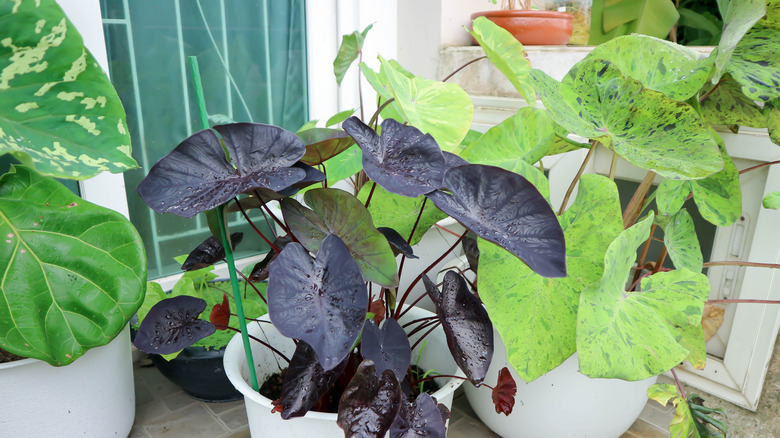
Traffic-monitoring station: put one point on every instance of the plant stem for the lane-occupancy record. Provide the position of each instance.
(679, 385)
(417, 342)
(634, 208)
(613, 166)
(252, 224)
(642, 256)
(360, 86)
(577, 178)
(224, 237)
(462, 67)
(438, 376)
(741, 263)
(661, 259)
(246, 281)
(370, 194)
(758, 166)
(379, 110)
(278, 353)
(409, 240)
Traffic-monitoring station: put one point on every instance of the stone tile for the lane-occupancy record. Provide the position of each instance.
(643, 429)
(142, 393)
(156, 382)
(221, 407)
(241, 433)
(178, 401)
(151, 411)
(137, 432)
(234, 419)
(468, 427)
(193, 422)
(657, 415)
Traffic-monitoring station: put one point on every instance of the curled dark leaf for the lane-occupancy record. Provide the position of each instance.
(209, 251)
(323, 144)
(305, 382)
(260, 271)
(220, 314)
(397, 242)
(387, 346)
(466, 324)
(471, 251)
(504, 392)
(422, 418)
(369, 404)
(173, 324)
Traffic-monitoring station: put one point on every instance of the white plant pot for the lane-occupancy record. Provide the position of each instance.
(262, 423)
(92, 397)
(561, 403)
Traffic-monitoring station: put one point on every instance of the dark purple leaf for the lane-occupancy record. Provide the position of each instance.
(369, 404)
(504, 392)
(471, 251)
(305, 382)
(196, 175)
(305, 225)
(220, 314)
(209, 251)
(323, 144)
(322, 301)
(503, 207)
(466, 324)
(419, 419)
(387, 346)
(313, 176)
(173, 324)
(397, 242)
(402, 160)
(260, 271)
(451, 160)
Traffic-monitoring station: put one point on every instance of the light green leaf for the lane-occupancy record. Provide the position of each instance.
(671, 195)
(772, 18)
(60, 114)
(682, 243)
(339, 117)
(676, 71)
(507, 54)
(344, 165)
(527, 136)
(536, 316)
(772, 201)
(400, 212)
(441, 109)
(728, 105)
(75, 273)
(595, 100)
(683, 424)
(772, 113)
(755, 64)
(381, 85)
(719, 196)
(623, 17)
(351, 45)
(633, 335)
(692, 339)
(740, 17)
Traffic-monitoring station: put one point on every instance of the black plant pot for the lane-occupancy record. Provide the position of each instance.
(199, 372)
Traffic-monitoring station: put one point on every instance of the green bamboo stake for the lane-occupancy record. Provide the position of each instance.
(204, 120)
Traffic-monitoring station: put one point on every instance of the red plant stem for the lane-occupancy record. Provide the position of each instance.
(417, 342)
(707, 94)
(758, 166)
(409, 240)
(421, 321)
(370, 194)
(741, 263)
(278, 353)
(398, 312)
(743, 301)
(447, 230)
(642, 256)
(660, 261)
(679, 385)
(379, 110)
(246, 281)
(462, 67)
(270, 213)
(257, 230)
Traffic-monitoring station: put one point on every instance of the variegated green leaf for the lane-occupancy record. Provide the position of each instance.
(692, 339)
(755, 64)
(595, 100)
(526, 136)
(670, 195)
(683, 424)
(772, 201)
(536, 316)
(772, 113)
(60, 114)
(739, 18)
(674, 70)
(728, 105)
(719, 197)
(507, 54)
(633, 335)
(682, 243)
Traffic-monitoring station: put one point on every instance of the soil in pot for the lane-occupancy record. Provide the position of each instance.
(8, 357)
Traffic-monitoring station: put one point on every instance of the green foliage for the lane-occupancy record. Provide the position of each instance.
(691, 418)
(350, 48)
(610, 19)
(728, 105)
(737, 21)
(772, 201)
(681, 241)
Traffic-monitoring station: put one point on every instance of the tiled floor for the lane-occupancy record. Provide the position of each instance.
(165, 411)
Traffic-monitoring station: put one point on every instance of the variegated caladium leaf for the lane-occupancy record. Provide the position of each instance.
(466, 325)
(503, 207)
(173, 324)
(370, 403)
(755, 64)
(208, 252)
(420, 418)
(322, 301)
(402, 159)
(388, 346)
(198, 176)
(305, 381)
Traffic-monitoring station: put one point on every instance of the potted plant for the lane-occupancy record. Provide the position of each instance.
(531, 26)
(73, 272)
(336, 266)
(626, 317)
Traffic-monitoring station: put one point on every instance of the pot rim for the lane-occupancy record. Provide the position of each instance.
(18, 363)
(514, 13)
(235, 377)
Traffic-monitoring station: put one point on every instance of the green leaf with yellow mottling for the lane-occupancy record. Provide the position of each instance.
(683, 424)
(633, 335)
(728, 105)
(755, 64)
(537, 316)
(738, 19)
(772, 113)
(671, 195)
(74, 272)
(595, 100)
(60, 114)
(772, 201)
(682, 243)
(719, 196)
(692, 339)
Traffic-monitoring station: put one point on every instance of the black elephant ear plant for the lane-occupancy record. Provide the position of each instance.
(333, 276)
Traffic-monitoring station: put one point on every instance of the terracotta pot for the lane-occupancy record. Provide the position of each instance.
(533, 28)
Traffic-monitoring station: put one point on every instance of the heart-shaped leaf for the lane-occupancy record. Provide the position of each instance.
(421, 418)
(452, 160)
(305, 382)
(595, 100)
(397, 242)
(322, 302)
(344, 216)
(505, 208)
(196, 176)
(719, 196)
(402, 159)
(351, 46)
(323, 144)
(507, 54)
(369, 404)
(739, 18)
(220, 314)
(536, 316)
(672, 69)
(388, 347)
(173, 324)
(634, 335)
(74, 273)
(209, 251)
(60, 113)
(681, 242)
(728, 105)
(504, 392)
(755, 64)
(466, 324)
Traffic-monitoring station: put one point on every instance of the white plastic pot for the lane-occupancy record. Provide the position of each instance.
(92, 397)
(262, 423)
(562, 403)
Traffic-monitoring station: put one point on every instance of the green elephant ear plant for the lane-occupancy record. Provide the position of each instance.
(332, 274)
(73, 272)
